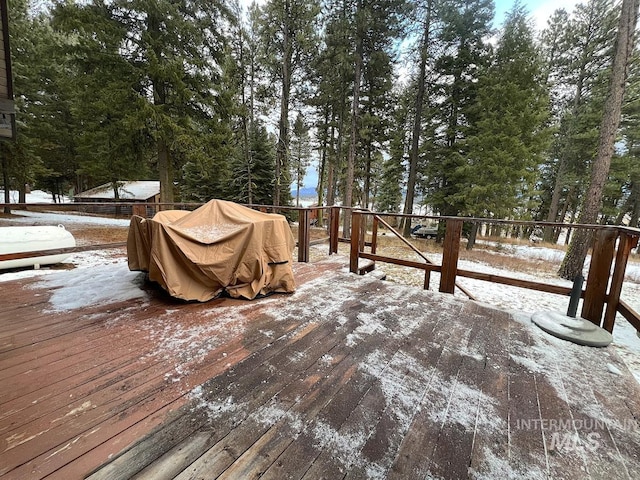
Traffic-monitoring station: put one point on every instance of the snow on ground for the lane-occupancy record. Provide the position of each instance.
(52, 218)
(36, 196)
(103, 277)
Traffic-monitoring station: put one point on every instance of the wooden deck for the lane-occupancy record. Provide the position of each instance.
(349, 377)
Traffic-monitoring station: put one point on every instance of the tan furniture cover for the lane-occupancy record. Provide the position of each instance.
(220, 246)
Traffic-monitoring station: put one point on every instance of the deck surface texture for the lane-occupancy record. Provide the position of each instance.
(349, 377)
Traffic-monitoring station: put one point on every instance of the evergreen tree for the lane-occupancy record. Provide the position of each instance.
(334, 69)
(246, 80)
(509, 137)
(629, 203)
(176, 49)
(377, 95)
(578, 51)
(389, 195)
(376, 23)
(428, 20)
(466, 27)
(289, 40)
(112, 145)
(577, 252)
(19, 161)
(56, 124)
(300, 153)
(263, 168)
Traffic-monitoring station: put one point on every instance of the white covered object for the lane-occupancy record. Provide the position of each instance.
(32, 239)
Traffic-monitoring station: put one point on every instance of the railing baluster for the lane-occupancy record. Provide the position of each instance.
(303, 235)
(626, 244)
(598, 278)
(450, 256)
(374, 235)
(334, 227)
(355, 241)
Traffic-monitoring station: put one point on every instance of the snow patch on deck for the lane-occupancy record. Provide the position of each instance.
(214, 409)
(494, 466)
(344, 444)
(184, 343)
(269, 415)
(465, 405)
(100, 285)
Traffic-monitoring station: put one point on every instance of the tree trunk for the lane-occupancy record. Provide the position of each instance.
(339, 160)
(355, 110)
(563, 214)
(635, 211)
(471, 242)
(247, 157)
(165, 173)
(299, 175)
(322, 166)
(626, 208)
(417, 124)
(574, 259)
(5, 180)
(552, 216)
(165, 170)
(568, 237)
(331, 174)
(367, 178)
(282, 163)
(247, 123)
(559, 183)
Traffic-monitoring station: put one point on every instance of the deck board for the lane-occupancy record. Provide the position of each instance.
(349, 377)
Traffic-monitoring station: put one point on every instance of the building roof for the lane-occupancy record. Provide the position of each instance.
(134, 190)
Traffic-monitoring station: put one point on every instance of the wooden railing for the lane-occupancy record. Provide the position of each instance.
(611, 243)
(612, 246)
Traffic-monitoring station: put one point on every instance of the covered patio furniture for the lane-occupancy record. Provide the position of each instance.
(220, 247)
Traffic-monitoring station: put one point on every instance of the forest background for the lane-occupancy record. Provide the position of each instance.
(399, 103)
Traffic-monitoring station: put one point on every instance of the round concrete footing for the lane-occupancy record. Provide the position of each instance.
(576, 330)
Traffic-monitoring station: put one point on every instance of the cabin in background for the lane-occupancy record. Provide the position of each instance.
(143, 192)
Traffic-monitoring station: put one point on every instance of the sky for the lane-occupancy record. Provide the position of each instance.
(540, 10)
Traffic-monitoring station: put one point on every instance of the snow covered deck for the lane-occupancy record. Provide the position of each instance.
(349, 377)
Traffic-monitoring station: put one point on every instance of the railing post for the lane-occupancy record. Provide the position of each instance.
(427, 279)
(356, 218)
(598, 278)
(334, 225)
(139, 210)
(450, 256)
(363, 232)
(374, 235)
(626, 244)
(303, 235)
